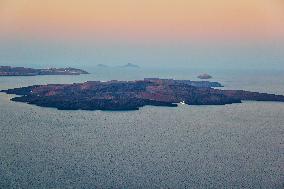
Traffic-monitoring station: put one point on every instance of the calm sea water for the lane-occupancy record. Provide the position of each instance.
(232, 146)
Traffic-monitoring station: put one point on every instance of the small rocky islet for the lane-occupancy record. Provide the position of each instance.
(204, 76)
(131, 95)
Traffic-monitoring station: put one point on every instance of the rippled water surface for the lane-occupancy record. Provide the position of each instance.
(232, 146)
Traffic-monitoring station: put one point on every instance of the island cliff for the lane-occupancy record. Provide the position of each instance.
(22, 71)
(131, 95)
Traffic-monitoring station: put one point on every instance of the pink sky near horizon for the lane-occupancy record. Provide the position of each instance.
(138, 20)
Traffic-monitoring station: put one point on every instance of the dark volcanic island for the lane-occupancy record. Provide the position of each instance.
(21, 71)
(131, 95)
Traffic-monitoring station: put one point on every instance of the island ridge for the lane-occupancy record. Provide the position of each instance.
(131, 95)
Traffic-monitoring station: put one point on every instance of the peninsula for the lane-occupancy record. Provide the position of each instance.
(22, 71)
(131, 95)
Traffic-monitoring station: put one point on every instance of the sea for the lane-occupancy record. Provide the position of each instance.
(231, 146)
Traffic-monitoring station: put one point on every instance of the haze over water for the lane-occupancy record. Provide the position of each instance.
(234, 34)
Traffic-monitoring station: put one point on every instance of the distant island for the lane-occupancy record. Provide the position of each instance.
(205, 76)
(22, 71)
(102, 66)
(129, 65)
(131, 95)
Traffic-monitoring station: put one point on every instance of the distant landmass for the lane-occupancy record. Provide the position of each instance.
(22, 71)
(205, 76)
(131, 95)
(102, 66)
(129, 65)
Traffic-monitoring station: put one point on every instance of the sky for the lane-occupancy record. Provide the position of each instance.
(161, 33)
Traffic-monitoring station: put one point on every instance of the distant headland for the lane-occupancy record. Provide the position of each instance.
(131, 95)
(22, 71)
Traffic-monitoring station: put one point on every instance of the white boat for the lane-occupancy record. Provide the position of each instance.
(182, 102)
